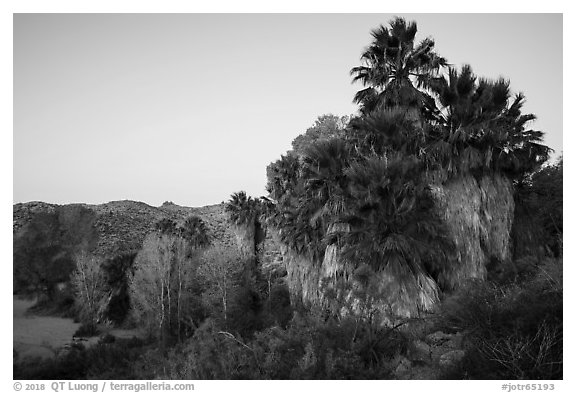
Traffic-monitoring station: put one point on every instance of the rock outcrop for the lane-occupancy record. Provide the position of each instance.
(478, 215)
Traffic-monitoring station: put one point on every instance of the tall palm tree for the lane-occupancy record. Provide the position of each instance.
(241, 208)
(480, 130)
(392, 64)
(244, 213)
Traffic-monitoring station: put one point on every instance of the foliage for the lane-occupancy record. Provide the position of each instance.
(117, 271)
(514, 332)
(368, 188)
(308, 202)
(89, 285)
(86, 330)
(101, 361)
(243, 209)
(220, 270)
(279, 309)
(307, 349)
(482, 128)
(325, 127)
(538, 225)
(194, 230)
(40, 261)
(163, 285)
(391, 65)
(45, 247)
(394, 225)
(245, 213)
(165, 225)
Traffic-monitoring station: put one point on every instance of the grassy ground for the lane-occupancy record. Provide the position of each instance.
(39, 335)
(43, 336)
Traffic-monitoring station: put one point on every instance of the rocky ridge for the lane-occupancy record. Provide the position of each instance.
(121, 226)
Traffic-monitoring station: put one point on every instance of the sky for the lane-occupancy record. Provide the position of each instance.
(190, 108)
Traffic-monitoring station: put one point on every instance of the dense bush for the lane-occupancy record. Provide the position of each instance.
(309, 348)
(538, 221)
(44, 248)
(102, 361)
(514, 331)
(117, 271)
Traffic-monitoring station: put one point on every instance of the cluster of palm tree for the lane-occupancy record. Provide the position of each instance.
(245, 213)
(193, 230)
(419, 121)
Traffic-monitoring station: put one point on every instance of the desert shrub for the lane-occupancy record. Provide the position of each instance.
(101, 361)
(513, 332)
(71, 366)
(278, 305)
(209, 354)
(245, 312)
(308, 348)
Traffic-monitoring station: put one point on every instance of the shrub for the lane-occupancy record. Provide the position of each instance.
(513, 332)
(101, 361)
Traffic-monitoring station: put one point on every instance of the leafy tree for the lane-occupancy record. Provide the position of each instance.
(324, 128)
(90, 289)
(44, 248)
(162, 288)
(219, 269)
(40, 259)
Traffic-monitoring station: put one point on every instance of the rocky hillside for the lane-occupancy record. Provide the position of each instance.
(122, 225)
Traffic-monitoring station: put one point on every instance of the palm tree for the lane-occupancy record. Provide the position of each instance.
(391, 65)
(386, 131)
(479, 130)
(323, 165)
(282, 177)
(194, 230)
(165, 226)
(244, 213)
(394, 227)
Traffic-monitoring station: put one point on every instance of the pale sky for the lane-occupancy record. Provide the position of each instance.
(192, 107)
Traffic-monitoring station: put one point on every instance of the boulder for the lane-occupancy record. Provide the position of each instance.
(451, 358)
(419, 351)
(402, 367)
